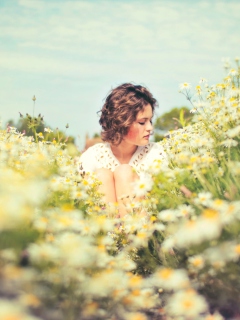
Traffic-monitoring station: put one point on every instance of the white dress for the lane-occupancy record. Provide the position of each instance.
(100, 156)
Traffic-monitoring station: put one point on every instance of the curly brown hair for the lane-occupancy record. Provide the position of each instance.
(120, 110)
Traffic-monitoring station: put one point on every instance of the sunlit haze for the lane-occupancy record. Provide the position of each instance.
(69, 54)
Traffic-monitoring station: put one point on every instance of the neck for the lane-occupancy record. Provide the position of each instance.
(124, 151)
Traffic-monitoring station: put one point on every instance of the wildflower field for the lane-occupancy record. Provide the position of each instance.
(64, 256)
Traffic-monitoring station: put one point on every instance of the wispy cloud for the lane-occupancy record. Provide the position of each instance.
(107, 42)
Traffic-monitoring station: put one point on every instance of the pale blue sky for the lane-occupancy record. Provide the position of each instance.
(71, 53)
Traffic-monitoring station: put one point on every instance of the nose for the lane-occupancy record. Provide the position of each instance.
(149, 126)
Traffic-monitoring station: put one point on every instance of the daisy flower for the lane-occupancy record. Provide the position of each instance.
(184, 85)
(143, 185)
(186, 303)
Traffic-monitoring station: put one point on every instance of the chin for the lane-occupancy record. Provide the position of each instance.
(144, 143)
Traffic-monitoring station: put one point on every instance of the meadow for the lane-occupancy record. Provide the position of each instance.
(64, 255)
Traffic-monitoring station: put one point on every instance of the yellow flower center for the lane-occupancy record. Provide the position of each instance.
(135, 280)
(210, 214)
(218, 202)
(187, 304)
(237, 249)
(13, 317)
(197, 262)
(166, 273)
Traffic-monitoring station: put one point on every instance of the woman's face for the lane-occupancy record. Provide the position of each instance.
(140, 130)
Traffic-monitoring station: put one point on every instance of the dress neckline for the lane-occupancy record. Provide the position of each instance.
(138, 150)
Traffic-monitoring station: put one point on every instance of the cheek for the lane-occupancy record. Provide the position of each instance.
(133, 133)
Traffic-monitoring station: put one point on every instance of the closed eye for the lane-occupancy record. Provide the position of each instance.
(142, 123)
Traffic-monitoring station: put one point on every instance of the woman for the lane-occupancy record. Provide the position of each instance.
(126, 120)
